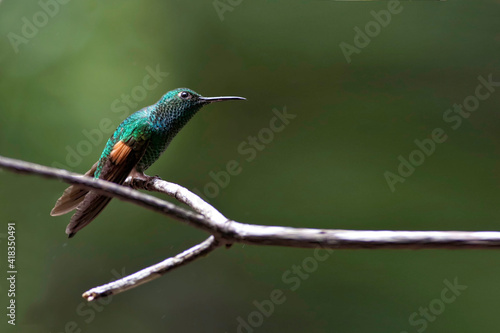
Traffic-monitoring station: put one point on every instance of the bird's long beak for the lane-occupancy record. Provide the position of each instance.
(219, 99)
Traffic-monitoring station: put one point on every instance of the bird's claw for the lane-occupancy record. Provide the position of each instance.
(142, 181)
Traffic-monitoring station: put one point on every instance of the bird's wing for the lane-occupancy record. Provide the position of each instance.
(124, 156)
(72, 196)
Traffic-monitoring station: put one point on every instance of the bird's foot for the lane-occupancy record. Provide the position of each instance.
(139, 180)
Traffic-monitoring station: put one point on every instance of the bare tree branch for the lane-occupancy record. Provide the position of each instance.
(226, 231)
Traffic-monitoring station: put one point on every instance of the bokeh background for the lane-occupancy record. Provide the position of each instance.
(325, 169)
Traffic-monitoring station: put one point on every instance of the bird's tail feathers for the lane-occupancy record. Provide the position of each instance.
(71, 197)
(87, 211)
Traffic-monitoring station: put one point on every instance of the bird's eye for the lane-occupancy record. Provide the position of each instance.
(185, 95)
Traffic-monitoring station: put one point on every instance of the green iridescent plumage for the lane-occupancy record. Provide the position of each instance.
(135, 145)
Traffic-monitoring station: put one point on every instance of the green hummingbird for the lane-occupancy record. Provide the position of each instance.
(135, 145)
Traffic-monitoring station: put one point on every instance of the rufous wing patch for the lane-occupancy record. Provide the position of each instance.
(120, 152)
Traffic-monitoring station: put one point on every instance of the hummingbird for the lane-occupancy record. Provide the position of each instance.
(134, 146)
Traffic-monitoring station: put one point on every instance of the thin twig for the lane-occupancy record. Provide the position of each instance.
(155, 271)
(226, 231)
(183, 195)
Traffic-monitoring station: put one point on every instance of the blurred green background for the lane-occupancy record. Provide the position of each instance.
(325, 169)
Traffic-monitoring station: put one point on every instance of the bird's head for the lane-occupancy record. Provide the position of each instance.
(184, 99)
